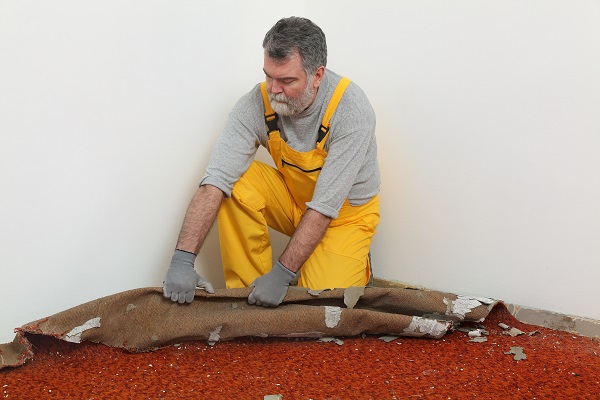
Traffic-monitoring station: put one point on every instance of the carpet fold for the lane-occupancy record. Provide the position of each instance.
(143, 320)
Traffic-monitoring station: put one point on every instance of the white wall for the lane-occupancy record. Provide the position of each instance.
(488, 130)
(489, 135)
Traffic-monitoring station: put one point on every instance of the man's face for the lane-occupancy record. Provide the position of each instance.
(290, 90)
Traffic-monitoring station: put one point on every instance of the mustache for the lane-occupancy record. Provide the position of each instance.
(280, 97)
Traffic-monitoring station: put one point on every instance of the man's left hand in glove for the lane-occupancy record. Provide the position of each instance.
(270, 289)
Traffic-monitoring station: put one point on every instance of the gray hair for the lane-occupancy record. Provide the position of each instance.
(296, 34)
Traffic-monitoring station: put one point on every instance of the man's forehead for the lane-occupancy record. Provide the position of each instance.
(292, 67)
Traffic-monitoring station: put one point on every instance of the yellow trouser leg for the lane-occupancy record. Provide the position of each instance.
(259, 199)
(341, 259)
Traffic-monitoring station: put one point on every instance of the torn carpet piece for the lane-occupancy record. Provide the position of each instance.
(155, 321)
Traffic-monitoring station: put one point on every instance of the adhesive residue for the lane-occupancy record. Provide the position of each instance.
(215, 335)
(462, 305)
(332, 316)
(74, 336)
(426, 327)
(518, 353)
(352, 294)
(331, 340)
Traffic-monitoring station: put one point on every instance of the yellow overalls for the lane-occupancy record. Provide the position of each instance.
(264, 196)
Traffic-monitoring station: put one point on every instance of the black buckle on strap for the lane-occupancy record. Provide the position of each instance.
(323, 130)
(271, 121)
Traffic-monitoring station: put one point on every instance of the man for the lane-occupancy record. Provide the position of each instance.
(319, 129)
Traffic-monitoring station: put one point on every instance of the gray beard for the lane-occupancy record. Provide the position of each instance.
(290, 106)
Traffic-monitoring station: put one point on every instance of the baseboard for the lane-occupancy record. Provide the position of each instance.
(567, 323)
(562, 322)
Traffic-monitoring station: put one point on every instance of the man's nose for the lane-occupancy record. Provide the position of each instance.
(276, 87)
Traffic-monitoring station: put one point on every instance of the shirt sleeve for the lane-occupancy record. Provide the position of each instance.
(237, 145)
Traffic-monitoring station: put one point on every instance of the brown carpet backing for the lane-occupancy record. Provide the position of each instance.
(142, 319)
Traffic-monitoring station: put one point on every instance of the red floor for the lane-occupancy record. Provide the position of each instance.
(558, 366)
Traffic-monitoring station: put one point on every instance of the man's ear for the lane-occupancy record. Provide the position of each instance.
(318, 76)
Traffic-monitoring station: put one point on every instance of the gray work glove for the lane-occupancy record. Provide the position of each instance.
(181, 279)
(270, 289)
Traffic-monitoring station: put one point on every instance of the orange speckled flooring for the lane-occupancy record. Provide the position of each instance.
(559, 365)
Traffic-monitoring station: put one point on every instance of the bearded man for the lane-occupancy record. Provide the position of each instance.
(320, 130)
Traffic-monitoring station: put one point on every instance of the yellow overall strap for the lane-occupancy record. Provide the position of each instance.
(270, 115)
(333, 103)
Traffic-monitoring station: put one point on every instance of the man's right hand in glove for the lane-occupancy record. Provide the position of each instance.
(181, 279)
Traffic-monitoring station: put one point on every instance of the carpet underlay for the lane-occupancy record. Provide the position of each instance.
(142, 319)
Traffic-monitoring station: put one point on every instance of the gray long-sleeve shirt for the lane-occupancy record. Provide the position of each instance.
(351, 169)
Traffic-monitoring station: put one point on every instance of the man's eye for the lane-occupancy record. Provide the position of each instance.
(288, 81)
